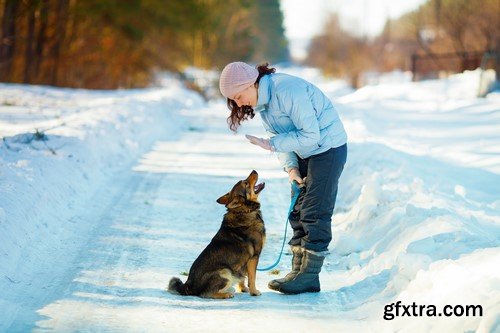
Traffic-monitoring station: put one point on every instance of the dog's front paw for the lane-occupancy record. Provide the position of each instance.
(255, 292)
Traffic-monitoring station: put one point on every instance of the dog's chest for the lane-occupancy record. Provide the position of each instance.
(257, 224)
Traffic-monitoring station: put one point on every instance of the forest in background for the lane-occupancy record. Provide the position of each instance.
(106, 44)
(458, 28)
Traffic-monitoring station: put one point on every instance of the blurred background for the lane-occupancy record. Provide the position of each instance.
(109, 44)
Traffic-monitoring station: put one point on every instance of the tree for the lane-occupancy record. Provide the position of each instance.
(340, 53)
(120, 43)
(30, 43)
(9, 37)
(43, 10)
(270, 43)
(62, 14)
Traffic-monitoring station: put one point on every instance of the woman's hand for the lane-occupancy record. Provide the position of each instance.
(294, 174)
(263, 143)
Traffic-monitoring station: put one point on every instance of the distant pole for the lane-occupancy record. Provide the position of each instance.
(365, 19)
(414, 66)
(437, 12)
(388, 21)
(497, 60)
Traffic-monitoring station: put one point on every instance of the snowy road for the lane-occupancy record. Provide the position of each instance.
(161, 215)
(91, 235)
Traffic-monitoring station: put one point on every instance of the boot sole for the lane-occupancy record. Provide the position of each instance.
(299, 292)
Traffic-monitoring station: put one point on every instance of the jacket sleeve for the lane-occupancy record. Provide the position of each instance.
(288, 160)
(297, 105)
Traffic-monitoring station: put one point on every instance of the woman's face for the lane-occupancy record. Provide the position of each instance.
(246, 97)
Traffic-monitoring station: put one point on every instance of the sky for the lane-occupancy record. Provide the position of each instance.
(304, 19)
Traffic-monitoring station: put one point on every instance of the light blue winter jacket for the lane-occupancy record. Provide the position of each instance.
(299, 117)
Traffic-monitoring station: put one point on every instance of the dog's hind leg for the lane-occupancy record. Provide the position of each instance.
(220, 285)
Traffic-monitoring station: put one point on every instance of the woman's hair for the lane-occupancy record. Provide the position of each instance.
(239, 114)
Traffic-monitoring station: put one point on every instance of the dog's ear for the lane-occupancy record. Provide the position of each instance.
(224, 200)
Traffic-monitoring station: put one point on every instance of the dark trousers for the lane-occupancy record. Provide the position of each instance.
(311, 218)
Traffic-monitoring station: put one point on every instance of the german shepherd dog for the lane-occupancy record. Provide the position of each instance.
(234, 251)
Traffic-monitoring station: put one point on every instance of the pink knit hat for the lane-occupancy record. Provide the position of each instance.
(236, 77)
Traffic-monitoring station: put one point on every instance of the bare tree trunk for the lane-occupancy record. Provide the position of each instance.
(30, 41)
(62, 18)
(41, 37)
(497, 65)
(497, 48)
(71, 26)
(7, 42)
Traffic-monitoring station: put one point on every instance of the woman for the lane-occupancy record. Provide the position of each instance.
(308, 134)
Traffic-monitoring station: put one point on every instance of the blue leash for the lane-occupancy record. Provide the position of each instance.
(296, 192)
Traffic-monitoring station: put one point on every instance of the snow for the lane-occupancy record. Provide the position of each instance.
(119, 196)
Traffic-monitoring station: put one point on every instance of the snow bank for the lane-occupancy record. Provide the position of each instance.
(419, 204)
(90, 137)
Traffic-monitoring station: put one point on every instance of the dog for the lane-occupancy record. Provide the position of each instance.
(234, 251)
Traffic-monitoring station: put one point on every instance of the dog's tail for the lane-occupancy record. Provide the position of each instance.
(175, 286)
